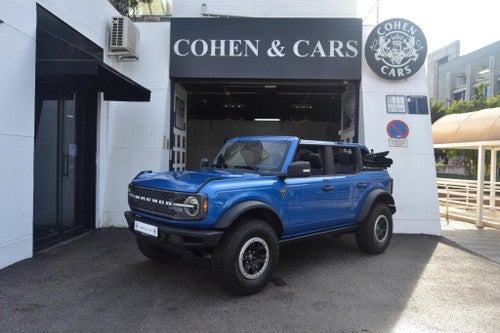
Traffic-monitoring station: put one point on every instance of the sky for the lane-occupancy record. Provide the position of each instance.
(475, 23)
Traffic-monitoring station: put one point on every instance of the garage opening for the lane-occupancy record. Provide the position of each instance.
(207, 113)
(232, 77)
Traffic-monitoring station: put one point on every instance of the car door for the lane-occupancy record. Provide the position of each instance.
(349, 186)
(309, 199)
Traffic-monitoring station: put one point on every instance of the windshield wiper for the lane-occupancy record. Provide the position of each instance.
(219, 166)
(248, 167)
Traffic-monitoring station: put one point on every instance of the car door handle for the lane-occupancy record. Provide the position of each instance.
(328, 188)
(361, 185)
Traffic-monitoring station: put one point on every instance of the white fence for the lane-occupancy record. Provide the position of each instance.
(458, 201)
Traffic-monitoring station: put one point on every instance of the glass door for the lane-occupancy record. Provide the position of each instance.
(46, 170)
(58, 168)
(71, 162)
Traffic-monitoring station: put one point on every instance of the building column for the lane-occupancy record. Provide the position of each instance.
(480, 187)
(493, 77)
(449, 88)
(469, 84)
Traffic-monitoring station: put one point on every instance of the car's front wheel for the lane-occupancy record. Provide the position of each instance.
(375, 232)
(246, 257)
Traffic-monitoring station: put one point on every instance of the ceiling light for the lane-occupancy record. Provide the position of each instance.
(270, 86)
(301, 106)
(267, 119)
(484, 71)
(233, 105)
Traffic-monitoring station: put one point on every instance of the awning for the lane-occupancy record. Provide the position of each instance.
(65, 55)
(471, 129)
(92, 73)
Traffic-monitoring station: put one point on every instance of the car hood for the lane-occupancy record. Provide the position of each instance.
(188, 181)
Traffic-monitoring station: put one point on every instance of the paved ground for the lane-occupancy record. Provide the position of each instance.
(485, 242)
(100, 282)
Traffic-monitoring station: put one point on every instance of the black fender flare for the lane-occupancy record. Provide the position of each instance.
(239, 209)
(374, 196)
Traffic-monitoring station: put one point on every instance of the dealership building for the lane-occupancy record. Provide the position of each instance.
(90, 98)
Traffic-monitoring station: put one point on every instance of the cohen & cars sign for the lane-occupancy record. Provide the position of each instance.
(396, 49)
(277, 48)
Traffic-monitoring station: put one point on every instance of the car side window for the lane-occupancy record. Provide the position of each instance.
(344, 160)
(315, 155)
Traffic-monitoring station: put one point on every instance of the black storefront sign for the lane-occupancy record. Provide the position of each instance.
(266, 48)
(396, 49)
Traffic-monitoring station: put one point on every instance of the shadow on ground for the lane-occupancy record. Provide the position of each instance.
(101, 282)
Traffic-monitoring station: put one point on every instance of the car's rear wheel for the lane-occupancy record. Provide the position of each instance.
(246, 257)
(375, 232)
(155, 253)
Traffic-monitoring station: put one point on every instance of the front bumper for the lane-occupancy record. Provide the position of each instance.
(177, 239)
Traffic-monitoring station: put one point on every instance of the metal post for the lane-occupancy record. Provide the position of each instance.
(447, 203)
(467, 194)
(493, 179)
(480, 187)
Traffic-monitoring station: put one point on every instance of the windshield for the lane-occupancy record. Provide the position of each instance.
(256, 155)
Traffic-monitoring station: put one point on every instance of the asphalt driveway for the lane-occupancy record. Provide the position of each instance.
(101, 282)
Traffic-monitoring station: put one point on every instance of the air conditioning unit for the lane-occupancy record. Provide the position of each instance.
(124, 39)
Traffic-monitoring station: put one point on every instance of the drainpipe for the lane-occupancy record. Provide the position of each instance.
(480, 187)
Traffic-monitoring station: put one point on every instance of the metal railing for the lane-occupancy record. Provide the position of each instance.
(458, 201)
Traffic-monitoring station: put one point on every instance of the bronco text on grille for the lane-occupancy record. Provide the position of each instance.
(157, 202)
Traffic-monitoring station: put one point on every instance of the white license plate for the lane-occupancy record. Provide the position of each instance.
(147, 229)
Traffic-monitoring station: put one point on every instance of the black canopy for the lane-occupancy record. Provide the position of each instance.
(65, 55)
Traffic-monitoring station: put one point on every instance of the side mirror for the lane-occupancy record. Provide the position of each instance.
(299, 169)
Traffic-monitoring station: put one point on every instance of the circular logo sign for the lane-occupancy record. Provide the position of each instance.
(396, 49)
(397, 129)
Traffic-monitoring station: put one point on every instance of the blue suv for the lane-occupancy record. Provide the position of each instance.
(260, 192)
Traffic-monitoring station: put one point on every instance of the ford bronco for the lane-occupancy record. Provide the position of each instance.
(258, 193)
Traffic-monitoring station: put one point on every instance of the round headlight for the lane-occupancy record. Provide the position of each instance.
(195, 206)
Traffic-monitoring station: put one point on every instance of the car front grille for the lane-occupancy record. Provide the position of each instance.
(153, 201)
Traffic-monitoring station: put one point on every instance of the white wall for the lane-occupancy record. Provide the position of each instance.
(266, 8)
(415, 189)
(131, 134)
(17, 96)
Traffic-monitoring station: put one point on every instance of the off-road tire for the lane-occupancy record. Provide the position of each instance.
(375, 232)
(246, 257)
(155, 253)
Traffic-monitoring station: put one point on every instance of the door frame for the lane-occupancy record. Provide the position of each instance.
(86, 128)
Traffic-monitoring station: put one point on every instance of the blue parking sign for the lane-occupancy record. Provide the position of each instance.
(397, 129)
